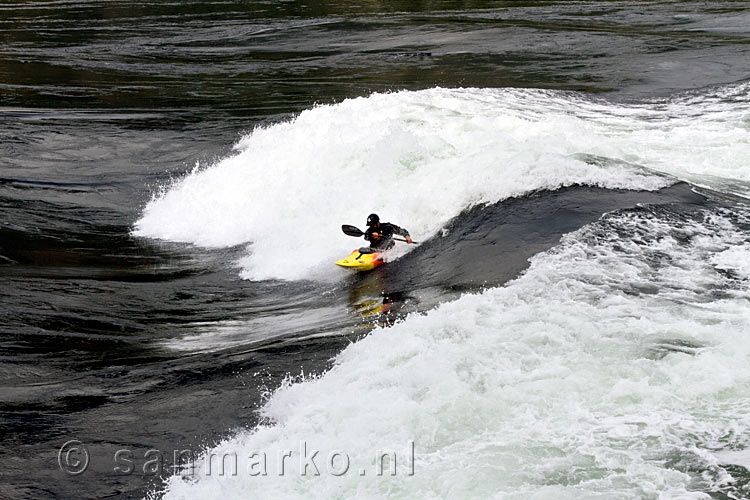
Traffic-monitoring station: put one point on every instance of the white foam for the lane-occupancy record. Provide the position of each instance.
(735, 258)
(610, 369)
(418, 159)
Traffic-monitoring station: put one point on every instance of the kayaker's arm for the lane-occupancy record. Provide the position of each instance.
(402, 232)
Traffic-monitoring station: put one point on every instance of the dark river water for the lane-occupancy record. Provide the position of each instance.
(173, 176)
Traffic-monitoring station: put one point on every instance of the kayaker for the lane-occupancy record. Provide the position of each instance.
(380, 235)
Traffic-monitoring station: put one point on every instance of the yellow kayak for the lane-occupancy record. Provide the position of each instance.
(361, 259)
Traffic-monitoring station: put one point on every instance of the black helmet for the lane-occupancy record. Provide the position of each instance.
(372, 219)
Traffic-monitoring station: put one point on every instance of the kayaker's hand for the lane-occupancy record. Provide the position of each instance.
(375, 235)
(408, 239)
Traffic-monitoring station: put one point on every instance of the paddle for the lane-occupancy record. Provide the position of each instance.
(353, 231)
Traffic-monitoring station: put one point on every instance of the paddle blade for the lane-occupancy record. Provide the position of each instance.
(351, 230)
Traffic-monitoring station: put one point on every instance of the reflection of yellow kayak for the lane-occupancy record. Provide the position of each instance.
(361, 259)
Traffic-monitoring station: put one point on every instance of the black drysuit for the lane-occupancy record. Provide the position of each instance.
(386, 231)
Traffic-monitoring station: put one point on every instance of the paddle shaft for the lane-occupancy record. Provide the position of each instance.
(355, 231)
